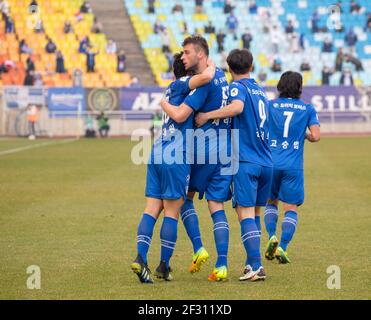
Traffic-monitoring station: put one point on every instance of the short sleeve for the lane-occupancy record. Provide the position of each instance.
(197, 98)
(237, 92)
(183, 85)
(313, 117)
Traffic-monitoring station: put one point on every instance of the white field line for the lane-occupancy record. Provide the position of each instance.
(39, 145)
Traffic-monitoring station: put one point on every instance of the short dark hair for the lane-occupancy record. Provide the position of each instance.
(240, 61)
(290, 85)
(178, 66)
(199, 41)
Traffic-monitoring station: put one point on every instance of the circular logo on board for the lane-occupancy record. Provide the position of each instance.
(102, 100)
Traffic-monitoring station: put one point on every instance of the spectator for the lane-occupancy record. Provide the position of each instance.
(170, 60)
(29, 79)
(165, 41)
(339, 60)
(33, 7)
(103, 126)
(289, 28)
(9, 24)
(314, 19)
(89, 127)
(209, 29)
(158, 27)
(355, 8)
(39, 26)
(277, 64)
(246, 39)
(232, 24)
(266, 20)
(253, 8)
(327, 45)
(84, 43)
(227, 7)
(302, 41)
(24, 48)
(326, 74)
(4, 7)
(77, 78)
(262, 76)
(121, 61)
(220, 40)
(356, 62)
(134, 83)
(151, 6)
(368, 23)
(60, 63)
(184, 27)
(86, 7)
(275, 39)
(305, 66)
(90, 61)
(351, 40)
(178, 8)
(295, 43)
(223, 62)
(50, 46)
(111, 47)
(199, 6)
(30, 65)
(97, 26)
(346, 78)
(67, 27)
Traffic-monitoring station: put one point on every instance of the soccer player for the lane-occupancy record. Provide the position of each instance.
(208, 177)
(251, 184)
(167, 182)
(289, 119)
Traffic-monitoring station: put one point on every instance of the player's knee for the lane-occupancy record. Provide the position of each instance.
(215, 206)
(290, 207)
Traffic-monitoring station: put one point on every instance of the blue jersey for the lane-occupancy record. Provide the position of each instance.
(289, 120)
(209, 97)
(173, 132)
(252, 123)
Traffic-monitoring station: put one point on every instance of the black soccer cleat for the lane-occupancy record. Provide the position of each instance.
(141, 270)
(162, 272)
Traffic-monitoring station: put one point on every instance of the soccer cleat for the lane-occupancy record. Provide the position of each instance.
(218, 274)
(200, 257)
(162, 272)
(258, 275)
(282, 256)
(247, 273)
(141, 270)
(271, 248)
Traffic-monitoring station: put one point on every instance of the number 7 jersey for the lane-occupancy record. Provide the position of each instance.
(288, 122)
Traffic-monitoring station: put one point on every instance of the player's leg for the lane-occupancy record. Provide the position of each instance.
(271, 215)
(190, 218)
(292, 196)
(144, 237)
(168, 236)
(221, 238)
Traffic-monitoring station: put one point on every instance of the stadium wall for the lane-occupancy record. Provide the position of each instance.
(65, 111)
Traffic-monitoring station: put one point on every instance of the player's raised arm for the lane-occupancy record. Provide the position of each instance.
(314, 135)
(229, 111)
(204, 77)
(178, 114)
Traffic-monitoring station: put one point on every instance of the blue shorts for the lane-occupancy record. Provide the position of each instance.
(167, 181)
(207, 179)
(251, 185)
(288, 186)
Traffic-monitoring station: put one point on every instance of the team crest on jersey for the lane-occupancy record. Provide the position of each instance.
(234, 92)
(275, 105)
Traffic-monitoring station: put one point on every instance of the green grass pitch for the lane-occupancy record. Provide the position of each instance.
(73, 210)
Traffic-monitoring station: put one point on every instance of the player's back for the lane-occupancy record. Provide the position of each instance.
(289, 118)
(252, 123)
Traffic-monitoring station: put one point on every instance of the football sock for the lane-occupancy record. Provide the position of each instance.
(190, 221)
(221, 237)
(168, 236)
(288, 228)
(251, 240)
(270, 219)
(144, 235)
